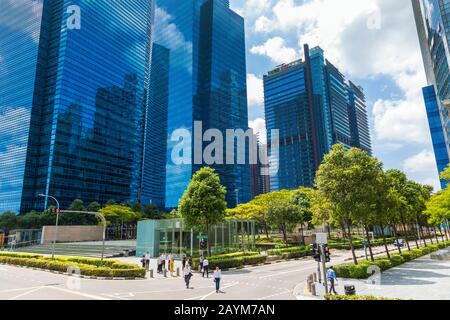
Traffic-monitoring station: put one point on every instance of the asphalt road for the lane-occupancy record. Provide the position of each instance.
(279, 281)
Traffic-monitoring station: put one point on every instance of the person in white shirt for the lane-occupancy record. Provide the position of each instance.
(147, 260)
(205, 268)
(187, 273)
(201, 263)
(217, 278)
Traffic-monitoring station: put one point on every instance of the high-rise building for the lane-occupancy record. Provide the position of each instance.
(433, 26)
(205, 41)
(313, 106)
(74, 86)
(259, 172)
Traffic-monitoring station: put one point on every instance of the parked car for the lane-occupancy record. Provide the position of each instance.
(399, 243)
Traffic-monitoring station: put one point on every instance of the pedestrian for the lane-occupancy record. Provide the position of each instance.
(217, 278)
(147, 260)
(171, 265)
(143, 261)
(201, 263)
(206, 267)
(163, 261)
(331, 276)
(187, 273)
(183, 262)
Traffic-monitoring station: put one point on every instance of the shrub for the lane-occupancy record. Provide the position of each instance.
(87, 266)
(233, 260)
(360, 271)
(341, 298)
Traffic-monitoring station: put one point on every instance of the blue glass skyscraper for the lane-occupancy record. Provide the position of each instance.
(433, 25)
(74, 86)
(205, 42)
(313, 106)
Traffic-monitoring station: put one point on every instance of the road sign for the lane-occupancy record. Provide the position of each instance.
(202, 237)
(321, 238)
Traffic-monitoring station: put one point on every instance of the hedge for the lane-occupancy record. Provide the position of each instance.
(352, 271)
(342, 298)
(291, 253)
(233, 260)
(87, 266)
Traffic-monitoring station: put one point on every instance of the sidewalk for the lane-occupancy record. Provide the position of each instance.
(421, 279)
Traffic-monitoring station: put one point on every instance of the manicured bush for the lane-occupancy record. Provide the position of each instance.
(233, 260)
(291, 252)
(351, 298)
(359, 271)
(87, 266)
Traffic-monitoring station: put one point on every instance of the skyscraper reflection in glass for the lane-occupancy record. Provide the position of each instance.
(205, 40)
(81, 96)
(433, 26)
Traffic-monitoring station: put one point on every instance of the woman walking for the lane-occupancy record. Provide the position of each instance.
(217, 278)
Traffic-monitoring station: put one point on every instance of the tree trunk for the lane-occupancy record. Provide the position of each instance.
(396, 237)
(442, 235)
(302, 234)
(369, 243)
(385, 242)
(283, 228)
(423, 236)
(430, 235)
(406, 236)
(415, 237)
(350, 238)
(344, 236)
(208, 240)
(329, 230)
(445, 232)
(435, 234)
(266, 229)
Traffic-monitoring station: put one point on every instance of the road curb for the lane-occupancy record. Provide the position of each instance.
(73, 275)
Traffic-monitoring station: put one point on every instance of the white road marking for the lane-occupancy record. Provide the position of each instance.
(25, 293)
(18, 289)
(275, 295)
(85, 295)
(284, 272)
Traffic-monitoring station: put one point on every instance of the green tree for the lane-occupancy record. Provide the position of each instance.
(77, 205)
(302, 198)
(32, 220)
(9, 220)
(118, 214)
(203, 203)
(93, 207)
(445, 175)
(438, 208)
(346, 179)
(152, 212)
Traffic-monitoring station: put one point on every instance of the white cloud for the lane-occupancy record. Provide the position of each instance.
(263, 24)
(255, 90)
(276, 49)
(253, 8)
(422, 168)
(259, 127)
(422, 162)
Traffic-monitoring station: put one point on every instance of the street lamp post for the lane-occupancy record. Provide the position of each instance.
(57, 222)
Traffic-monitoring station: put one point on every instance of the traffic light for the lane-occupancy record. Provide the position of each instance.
(316, 252)
(327, 254)
(203, 244)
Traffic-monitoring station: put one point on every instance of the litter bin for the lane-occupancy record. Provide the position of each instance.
(350, 290)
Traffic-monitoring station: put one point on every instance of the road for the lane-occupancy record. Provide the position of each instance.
(279, 281)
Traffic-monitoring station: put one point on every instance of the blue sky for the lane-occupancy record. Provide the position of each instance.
(374, 43)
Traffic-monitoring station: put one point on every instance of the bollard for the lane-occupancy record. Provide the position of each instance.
(313, 289)
(315, 277)
(178, 272)
(165, 273)
(151, 273)
(309, 285)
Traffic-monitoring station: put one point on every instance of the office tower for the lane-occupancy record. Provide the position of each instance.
(433, 26)
(359, 122)
(207, 83)
(74, 85)
(259, 172)
(313, 106)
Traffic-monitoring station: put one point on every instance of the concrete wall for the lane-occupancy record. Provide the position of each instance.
(72, 234)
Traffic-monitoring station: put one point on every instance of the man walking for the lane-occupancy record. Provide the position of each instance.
(331, 276)
(187, 273)
(206, 268)
(201, 260)
(217, 278)
(147, 260)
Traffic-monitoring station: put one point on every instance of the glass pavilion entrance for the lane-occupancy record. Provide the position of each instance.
(171, 236)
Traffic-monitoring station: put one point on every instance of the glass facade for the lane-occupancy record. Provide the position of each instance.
(90, 100)
(313, 107)
(206, 82)
(173, 237)
(433, 25)
(437, 134)
(20, 29)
